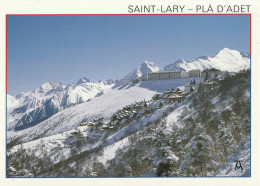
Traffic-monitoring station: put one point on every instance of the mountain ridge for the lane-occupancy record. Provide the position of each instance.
(225, 60)
(52, 97)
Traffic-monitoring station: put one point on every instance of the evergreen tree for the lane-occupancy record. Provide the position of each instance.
(207, 76)
(165, 160)
(201, 88)
(198, 160)
(76, 144)
(225, 142)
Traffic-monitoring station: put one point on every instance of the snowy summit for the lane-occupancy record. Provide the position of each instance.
(142, 70)
(225, 60)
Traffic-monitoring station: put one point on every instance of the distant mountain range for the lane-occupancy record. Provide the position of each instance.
(225, 60)
(29, 108)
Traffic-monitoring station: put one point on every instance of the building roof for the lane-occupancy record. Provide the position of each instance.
(165, 96)
(164, 72)
(175, 96)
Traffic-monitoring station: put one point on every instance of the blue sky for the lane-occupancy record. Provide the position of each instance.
(66, 48)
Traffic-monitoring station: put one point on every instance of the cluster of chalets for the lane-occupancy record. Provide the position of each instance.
(143, 108)
(131, 112)
(96, 122)
(122, 117)
(174, 96)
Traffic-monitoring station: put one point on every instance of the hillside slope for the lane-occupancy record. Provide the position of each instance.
(199, 136)
(103, 106)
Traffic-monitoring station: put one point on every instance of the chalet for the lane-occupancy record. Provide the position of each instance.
(175, 98)
(98, 123)
(144, 104)
(147, 112)
(156, 97)
(84, 124)
(178, 91)
(119, 118)
(90, 124)
(127, 107)
(137, 105)
(160, 96)
(105, 127)
(98, 119)
(87, 124)
(167, 93)
(165, 96)
(75, 132)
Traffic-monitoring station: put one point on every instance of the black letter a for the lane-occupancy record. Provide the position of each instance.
(238, 165)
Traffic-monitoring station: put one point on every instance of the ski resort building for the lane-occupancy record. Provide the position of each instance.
(210, 73)
(176, 74)
(195, 73)
(162, 75)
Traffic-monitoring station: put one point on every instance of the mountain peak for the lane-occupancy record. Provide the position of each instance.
(83, 80)
(143, 69)
(174, 65)
(225, 60)
(179, 61)
(149, 66)
(45, 87)
(147, 63)
(226, 51)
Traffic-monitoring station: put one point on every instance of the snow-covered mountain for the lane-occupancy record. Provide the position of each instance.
(225, 60)
(12, 101)
(29, 108)
(142, 70)
(175, 127)
(102, 106)
(200, 135)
